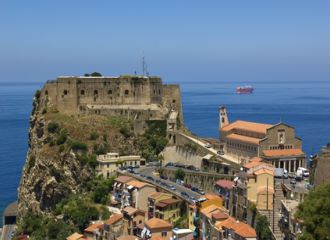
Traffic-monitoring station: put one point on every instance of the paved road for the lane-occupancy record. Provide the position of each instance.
(212, 150)
(7, 232)
(148, 171)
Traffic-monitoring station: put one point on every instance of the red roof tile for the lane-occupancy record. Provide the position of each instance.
(225, 184)
(283, 152)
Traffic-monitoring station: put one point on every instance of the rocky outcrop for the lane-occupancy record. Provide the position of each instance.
(53, 170)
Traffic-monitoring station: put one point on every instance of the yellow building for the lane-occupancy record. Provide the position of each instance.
(164, 206)
(108, 163)
(210, 200)
(260, 186)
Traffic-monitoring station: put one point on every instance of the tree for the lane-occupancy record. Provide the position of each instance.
(179, 174)
(262, 229)
(314, 213)
(96, 74)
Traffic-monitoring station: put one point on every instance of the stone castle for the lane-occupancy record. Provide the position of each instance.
(138, 98)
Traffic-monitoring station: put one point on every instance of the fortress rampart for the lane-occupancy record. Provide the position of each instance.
(136, 97)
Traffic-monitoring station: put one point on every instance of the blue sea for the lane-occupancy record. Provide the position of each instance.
(304, 105)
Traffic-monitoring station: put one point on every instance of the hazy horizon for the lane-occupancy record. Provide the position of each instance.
(183, 42)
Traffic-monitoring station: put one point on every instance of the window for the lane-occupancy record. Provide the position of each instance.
(96, 92)
(65, 92)
(164, 234)
(46, 92)
(82, 92)
(110, 92)
(126, 92)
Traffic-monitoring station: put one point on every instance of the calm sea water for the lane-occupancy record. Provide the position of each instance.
(306, 106)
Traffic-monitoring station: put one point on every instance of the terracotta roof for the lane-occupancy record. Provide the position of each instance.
(91, 228)
(160, 204)
(248, 126)
(170, 201)
(253, 164)
(225, 184)
(220, 215)
(158, 238)
(155, 223)
(242, 138)
(208, 211)
(114, 218)
(240, 228)
(130, 210)
(76, 236)
(138, 184)
(155, 195)
(283, 152)
(127, 237)
(264, 170)
(212, 197)
(123, 179)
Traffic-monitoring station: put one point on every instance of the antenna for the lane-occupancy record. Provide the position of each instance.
(144, 67)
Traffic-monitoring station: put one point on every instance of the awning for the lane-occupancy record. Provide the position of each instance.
(130, 187)
(115, 184)
(119, 184)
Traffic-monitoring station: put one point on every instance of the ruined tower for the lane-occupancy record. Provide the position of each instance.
(223, 118)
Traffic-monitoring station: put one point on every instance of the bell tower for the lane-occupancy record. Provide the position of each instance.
(223, 118)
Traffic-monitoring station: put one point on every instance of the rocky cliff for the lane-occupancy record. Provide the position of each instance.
(62, 153)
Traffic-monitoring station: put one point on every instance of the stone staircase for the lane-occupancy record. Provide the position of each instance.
(277, 215)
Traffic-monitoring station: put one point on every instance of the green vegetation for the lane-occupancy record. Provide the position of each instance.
(100, 189)
(31, 163)
(62, 137)
(314, 212)
(262, 229)
(94, 136)
(100, 149)
(126, 132)
(154, 140)
(40, 227)
(179, 174)
(87, 159)
(53, 127)
(78, 146)
(37, 94)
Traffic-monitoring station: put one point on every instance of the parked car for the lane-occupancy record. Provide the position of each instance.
(292, 175)
(293, 181)
(194, 189)
(170, 164)
(179, 181)
(187, 185)
(191, 167)
(207, 145)
(184, 194)
(201, 192)
(220, 152)
(150, 178)
(172, 187)
(163, 177)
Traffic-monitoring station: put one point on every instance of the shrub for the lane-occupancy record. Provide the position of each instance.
(126, 132)
(61, 149)
(179, 174)
(94, 136)
(32, 162)
(99, 149)
(78, 146)
(37, 94)
(62, 137)
(53, 127)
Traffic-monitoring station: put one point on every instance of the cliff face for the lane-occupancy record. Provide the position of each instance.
(62, 152)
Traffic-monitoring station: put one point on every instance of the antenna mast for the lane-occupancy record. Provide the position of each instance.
(144, 67)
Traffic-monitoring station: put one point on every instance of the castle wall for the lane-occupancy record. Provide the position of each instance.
(172, 98)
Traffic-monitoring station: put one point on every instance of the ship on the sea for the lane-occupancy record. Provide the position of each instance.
(244, 90)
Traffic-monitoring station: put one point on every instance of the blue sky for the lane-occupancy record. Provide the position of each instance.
(183, 41)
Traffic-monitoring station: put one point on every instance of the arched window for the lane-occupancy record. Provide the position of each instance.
(65, 92)
(126, 92)
(110, 92)
(82, 92)
(95, 92)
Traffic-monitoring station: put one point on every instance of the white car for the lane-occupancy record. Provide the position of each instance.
(207, 145)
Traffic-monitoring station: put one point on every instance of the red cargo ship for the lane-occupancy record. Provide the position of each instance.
(244, 90)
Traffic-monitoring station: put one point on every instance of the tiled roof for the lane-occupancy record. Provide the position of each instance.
(225, 184)
(208, 211)
(155, 195)
(212, 197)
(283, 152)
(240, 228)
(264, 170)
(252, 164)
(242, 138)
(76, 236)
(114, 218)
(219, 215)
(130, 210)
(247, 126)
(138, 184)
(123, 179)
(91, 228)
(156, 223)
(170, 201)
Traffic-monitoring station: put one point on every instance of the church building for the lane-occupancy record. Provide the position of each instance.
(276, 144)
